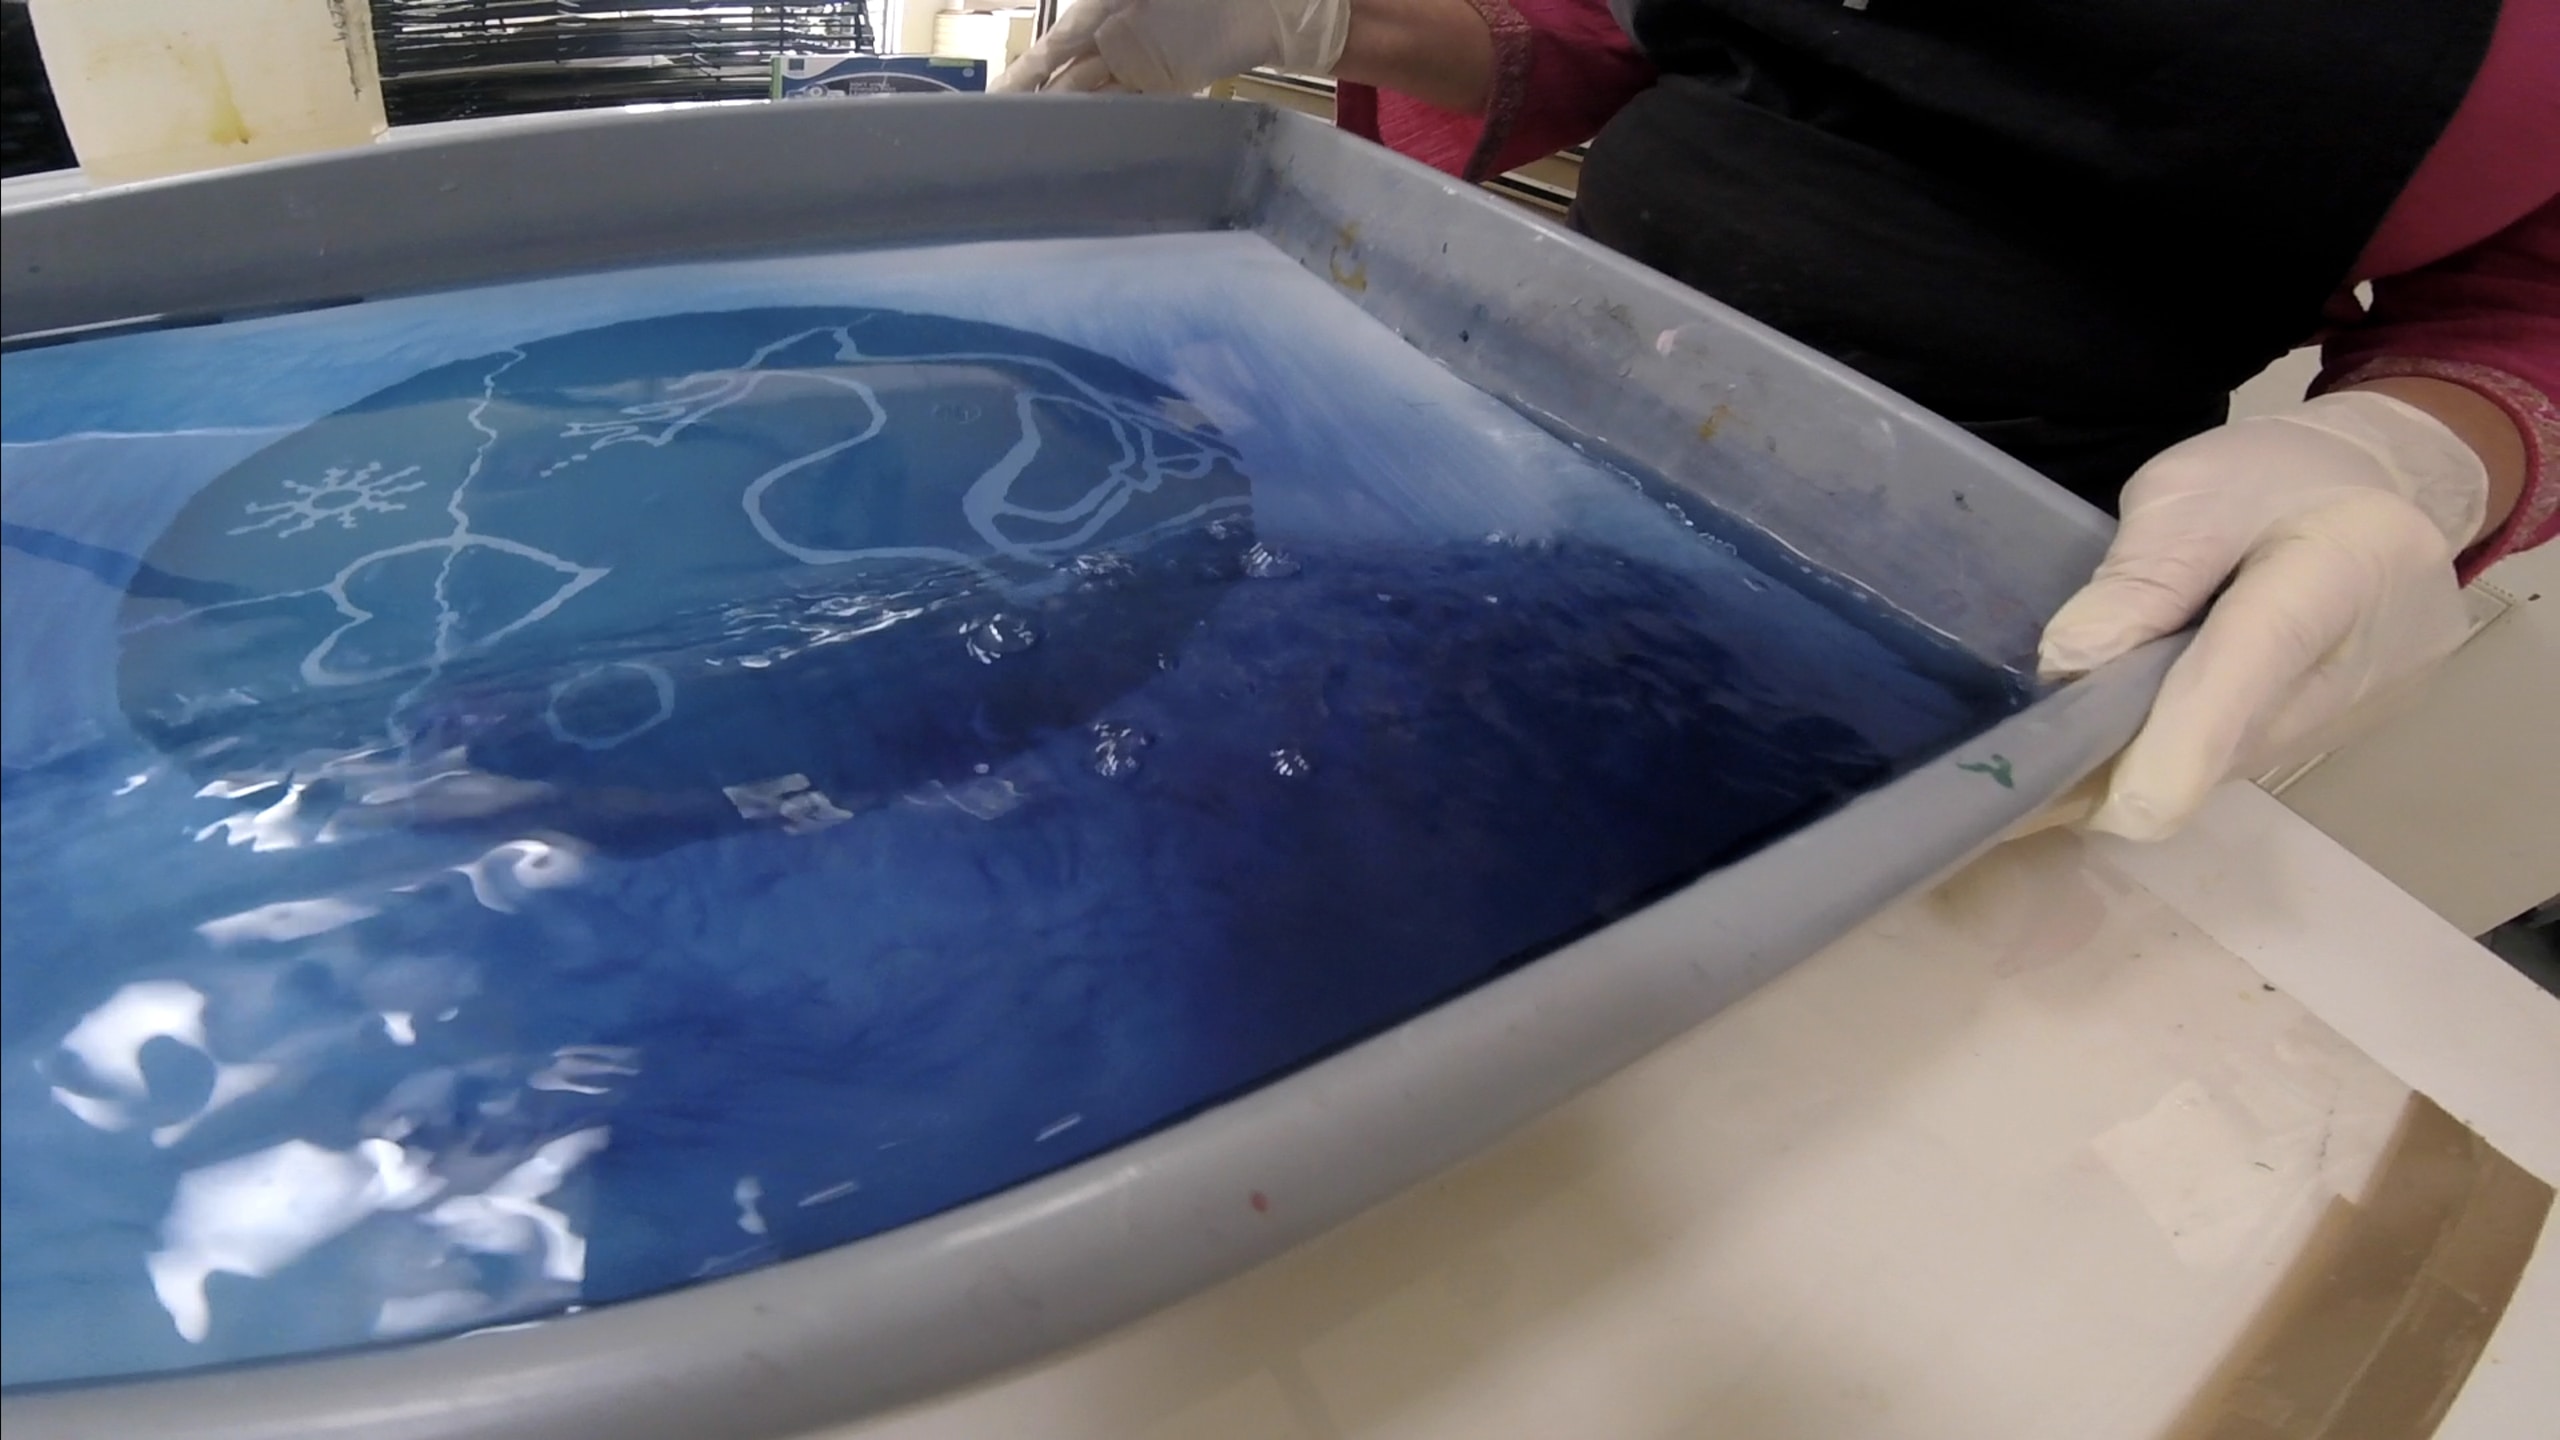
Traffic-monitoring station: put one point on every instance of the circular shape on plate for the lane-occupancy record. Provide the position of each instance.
(654, 564)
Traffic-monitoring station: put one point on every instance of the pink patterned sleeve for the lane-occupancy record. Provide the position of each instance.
(1561, 69)
(2487, 319)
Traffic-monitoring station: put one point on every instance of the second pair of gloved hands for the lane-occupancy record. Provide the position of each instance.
(1178, 47)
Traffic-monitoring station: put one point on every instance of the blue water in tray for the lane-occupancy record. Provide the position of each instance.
(529, 797)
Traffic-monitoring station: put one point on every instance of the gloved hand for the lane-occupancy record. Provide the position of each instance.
(1179, 46)
(2336, 524)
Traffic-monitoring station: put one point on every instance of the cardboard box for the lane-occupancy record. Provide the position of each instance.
(808, 77)
(996, 36)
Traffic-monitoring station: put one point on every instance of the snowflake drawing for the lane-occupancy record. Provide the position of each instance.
(339, 494)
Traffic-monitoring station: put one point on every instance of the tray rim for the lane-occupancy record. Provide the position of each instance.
(889, 1319)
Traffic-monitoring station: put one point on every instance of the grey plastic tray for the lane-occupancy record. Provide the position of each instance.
(1856, 480)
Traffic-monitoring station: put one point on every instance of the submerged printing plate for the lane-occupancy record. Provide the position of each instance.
(528, 797)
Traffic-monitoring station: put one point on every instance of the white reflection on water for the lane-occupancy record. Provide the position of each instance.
(510, 872)
(790, 799)
(255, 1214)
(581, 1069)
(432, 1193)
(109, 1039)
(286, 920)
(280, 826)
(509, 1217)
(108, 1044)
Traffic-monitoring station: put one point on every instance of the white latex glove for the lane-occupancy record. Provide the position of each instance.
(2336, 525)
(1179, 46)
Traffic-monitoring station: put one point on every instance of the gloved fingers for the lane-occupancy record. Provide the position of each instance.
(2071, 807)
(2333, 708)
(2288, 608)
(2414, 619)
(1139, 61)
(1089, 74)
(2394, 568)
(2163, 567)
(1313, 34)
(1067, 41)
(1032, 73)
(1022, 77)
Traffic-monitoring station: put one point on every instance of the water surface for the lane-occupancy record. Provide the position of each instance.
(529, 797)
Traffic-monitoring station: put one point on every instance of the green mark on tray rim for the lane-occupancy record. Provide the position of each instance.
(1997, 767)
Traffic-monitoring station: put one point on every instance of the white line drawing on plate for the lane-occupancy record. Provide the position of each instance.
(340, 494)
(661, 685)
(1155, 439)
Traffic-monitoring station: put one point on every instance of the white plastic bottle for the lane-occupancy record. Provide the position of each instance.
(158, 87)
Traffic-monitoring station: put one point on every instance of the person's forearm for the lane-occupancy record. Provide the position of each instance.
(2479, 424)
(1440, 52)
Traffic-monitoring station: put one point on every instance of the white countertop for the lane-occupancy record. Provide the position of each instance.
(2025, 1156)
